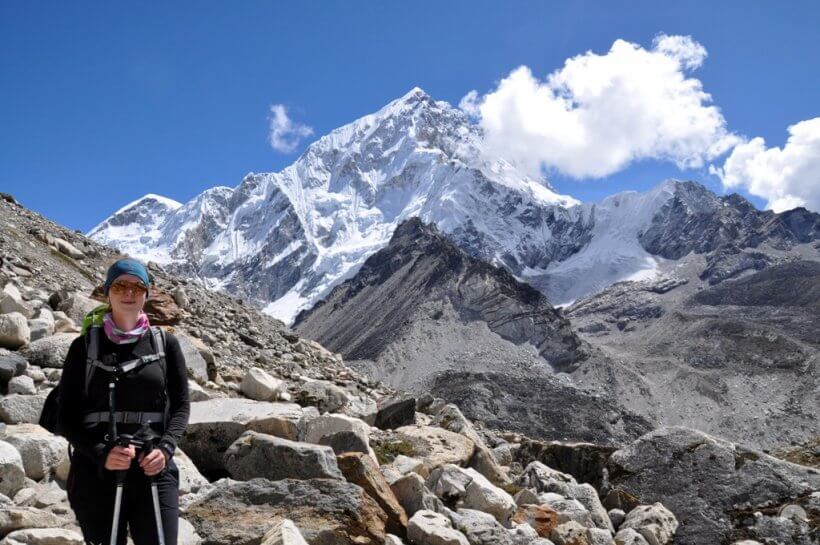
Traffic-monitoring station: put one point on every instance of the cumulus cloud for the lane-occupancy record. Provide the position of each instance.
(599, 113)
(787, 177)
(285, 134)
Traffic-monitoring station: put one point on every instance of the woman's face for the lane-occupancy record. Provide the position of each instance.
(127, 294)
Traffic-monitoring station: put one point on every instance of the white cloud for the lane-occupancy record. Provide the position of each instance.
(787, 177)
(285, 134)
(599, 113)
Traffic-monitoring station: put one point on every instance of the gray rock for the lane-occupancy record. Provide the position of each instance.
(341, 432)
(12, 472)
(44, 536)
(12, 364)
(40, 450)
(15, 518)
(327, 511)
(50, 351)
(481, 528)
(196, 363)
(22, 385)
(588, 496)
(660, 465)
(599, 536)
(68, 249)
(449, 482)
(654, 522)
(12, 301)
(414, 496)
(395, 412)
(628, 536)
(76, 305)
(22, 409)
(250, 457)
(14, 331)
(569, 533)
(190, 479)
(324, 395)
(616, 516)
(216, 423)
(430, 528)
(40, 328)
(541, 478)
(259, 385)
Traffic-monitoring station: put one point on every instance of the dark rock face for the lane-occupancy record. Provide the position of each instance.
(540, 407)
(326, 511)
(729, 262)
(697, 220)
(362, 317)
(790, 284)
(713, 486)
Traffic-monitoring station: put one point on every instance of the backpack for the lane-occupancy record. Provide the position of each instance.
(51, 407)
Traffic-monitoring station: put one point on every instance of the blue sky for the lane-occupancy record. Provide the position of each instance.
(102, 102)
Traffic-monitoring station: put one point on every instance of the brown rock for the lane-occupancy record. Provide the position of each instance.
(326, 511)
(541, 517)
(162, 309)
(358, 468)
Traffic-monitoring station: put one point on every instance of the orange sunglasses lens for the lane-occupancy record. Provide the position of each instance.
(122, 287)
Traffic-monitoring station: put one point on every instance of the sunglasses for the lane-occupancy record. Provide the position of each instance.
(137, 288)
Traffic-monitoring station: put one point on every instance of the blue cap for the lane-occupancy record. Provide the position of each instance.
(126, 266)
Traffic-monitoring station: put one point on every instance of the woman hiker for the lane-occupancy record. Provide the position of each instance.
(146, 389)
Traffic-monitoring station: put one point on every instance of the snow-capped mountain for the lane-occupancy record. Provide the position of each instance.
(283, 240)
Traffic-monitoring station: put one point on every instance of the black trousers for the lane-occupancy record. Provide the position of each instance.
(92, 498)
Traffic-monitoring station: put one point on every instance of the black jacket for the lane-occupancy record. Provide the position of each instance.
(140, 390)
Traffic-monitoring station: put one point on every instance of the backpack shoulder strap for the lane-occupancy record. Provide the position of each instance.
(158, 335)
(92, 349)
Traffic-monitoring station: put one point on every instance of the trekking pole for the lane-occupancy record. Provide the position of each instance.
(145, 437)
(112, 436)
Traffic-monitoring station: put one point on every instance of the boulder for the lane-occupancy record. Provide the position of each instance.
(22, 385)
(433, 445)
(15, 518)
(570, 533)
(76, 305)
(49, 351)
(251, 454)
(431, 528)
(215, 424)
(654, 522)
(12, 365)
(40, 450)
(21, 409)
(659, 466)
(14, 331)
(327, 511)
(481, 528)
(259, 385)
(190, 479)
(68, 249)
(12, 301)
(192, 348)
(12, 471)
(541, 478)
(360, 469)
(482, 495)
(162, 309)
(340, 432)
(413, 495)
(395, 412)
(324, 395)
(44, 536)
